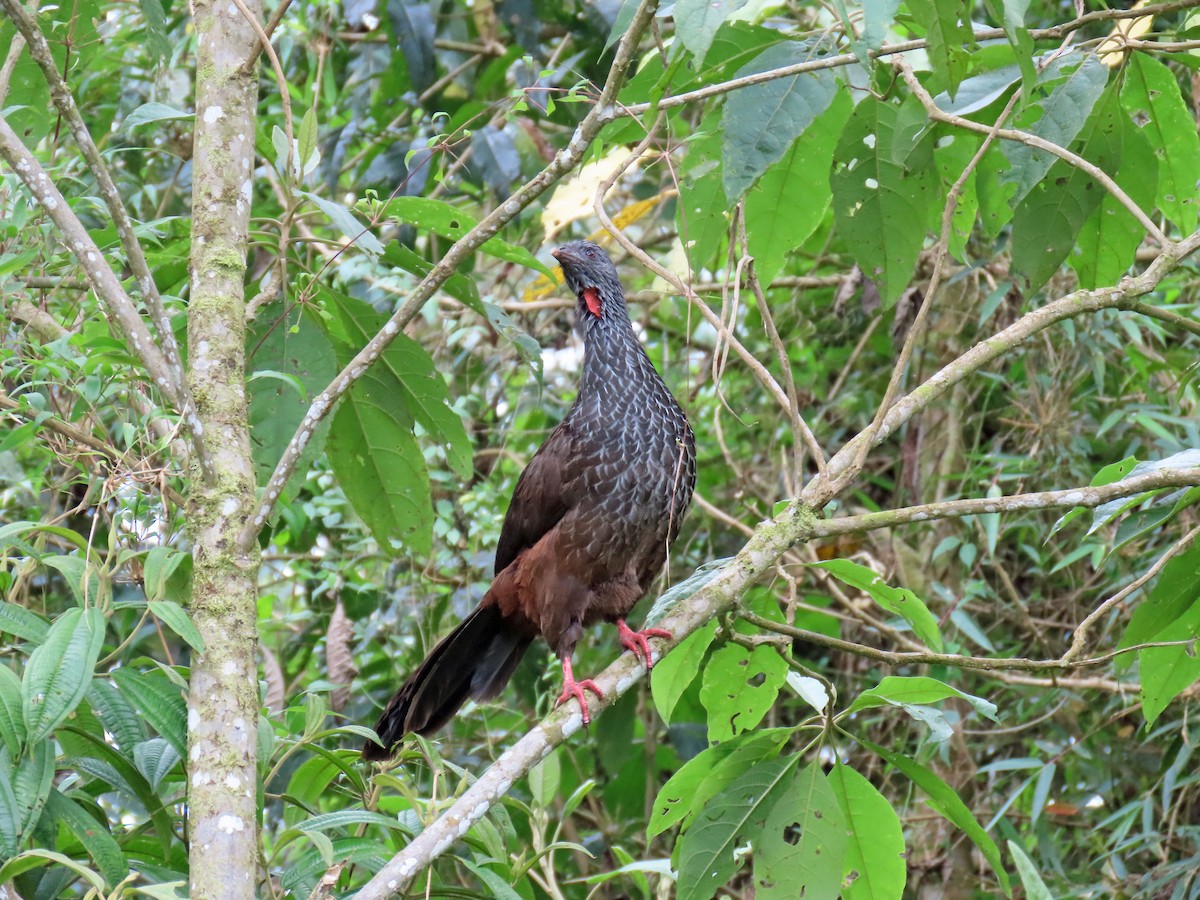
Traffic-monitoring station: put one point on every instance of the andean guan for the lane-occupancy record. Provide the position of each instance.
(588, 527)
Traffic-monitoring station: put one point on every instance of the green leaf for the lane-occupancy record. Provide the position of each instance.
(158, 700)
(451, 222)
(948, 804)
(728, 820)
(878, 16)
(30, 777)
(59, 671)
(178, 620)
(1168, 671)
(1110, 473)
(761, 121)
(96, 840)
(803, 841)
(706, 774)
(21, 623)
(883, 191)
(406, 370)
(158, 566)
(36, 858)
(701, 215)
(900, 601)
(697, 21)
(947, 27)
(789, 201)
(543, 780)
(739, 687)
(898, 690)
(155, 759)
(1035, 888)
(12, 720)
(83, 579)
(1151, 98)
(10, 816)
(1173, 595)
(116, 714)
(459, 286)
(154, 112)
(874, 867)
(297, 347)
(1077, 83)
(675, 672)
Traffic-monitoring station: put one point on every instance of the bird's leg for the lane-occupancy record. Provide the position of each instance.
(637, 643)
(576, 689)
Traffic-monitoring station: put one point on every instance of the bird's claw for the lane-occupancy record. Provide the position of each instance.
(578, 690)
(637, 642)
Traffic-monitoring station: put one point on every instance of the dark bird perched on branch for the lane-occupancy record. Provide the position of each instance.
(589, 524)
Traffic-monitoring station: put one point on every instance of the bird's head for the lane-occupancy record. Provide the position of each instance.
(593, 278)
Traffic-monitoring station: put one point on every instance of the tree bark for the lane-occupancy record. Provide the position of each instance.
(223, 705)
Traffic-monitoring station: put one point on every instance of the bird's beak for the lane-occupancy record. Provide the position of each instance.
(562, 254)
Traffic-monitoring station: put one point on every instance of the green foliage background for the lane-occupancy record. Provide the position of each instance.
(411, 121)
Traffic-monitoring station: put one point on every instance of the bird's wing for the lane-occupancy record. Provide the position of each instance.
(544, 493)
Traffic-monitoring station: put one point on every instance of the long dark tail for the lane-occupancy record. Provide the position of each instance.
(475, 660)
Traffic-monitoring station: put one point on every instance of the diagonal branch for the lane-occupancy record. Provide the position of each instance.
(564, 161)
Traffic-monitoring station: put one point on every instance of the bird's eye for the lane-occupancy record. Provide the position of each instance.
(591, 254)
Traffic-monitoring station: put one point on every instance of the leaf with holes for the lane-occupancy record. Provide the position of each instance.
(733, 817)
(883, 184)
(1151, 99)
(874, 867)
(800, 850)
(697, 21)
(709, 772)
(947, 28)
(739, 687)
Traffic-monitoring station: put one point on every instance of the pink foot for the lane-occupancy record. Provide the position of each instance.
(637, 643)
(577, 689)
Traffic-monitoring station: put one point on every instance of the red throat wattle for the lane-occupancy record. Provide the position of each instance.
(591, 297)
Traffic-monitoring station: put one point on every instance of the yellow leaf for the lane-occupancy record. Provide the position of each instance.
(1112, 49)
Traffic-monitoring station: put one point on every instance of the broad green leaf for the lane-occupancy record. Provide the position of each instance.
(10, 816)
(947, 27)
(379, 465)
(60, 669)
(728, 820)
(761, 121)
(84, 580)
(946, 802)
(675, 672)
(900, 601)
(31, 777)
(1173, 595)
(952, 155)
(899, 690)
(158, 566)
(1107, 243)
(790, 200)
(1151, 98)
(543, 780)
(697, 21)
(406, 370)
(12, 720)
(497, 887)
(21, 623)
(883, 190)
(702, 215)
(740, 687)
(153, 112)
(451, 222)
(100, 845)
(158, 700)
(459, 286)
(1078, 81)
(803, 842)
(179, 621)
(1035, 888)
(874, 867)
(878, 16)
(1166, 672)
(706, 774)
(300, 878)
(155, 759)
(296, 346)
(118, 716)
